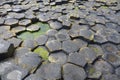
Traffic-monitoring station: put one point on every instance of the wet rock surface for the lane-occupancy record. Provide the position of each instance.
(59, 40)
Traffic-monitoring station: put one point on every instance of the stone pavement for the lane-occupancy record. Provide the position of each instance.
(59, 39)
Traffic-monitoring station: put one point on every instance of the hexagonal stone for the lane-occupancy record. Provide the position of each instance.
(73, 33)
(77, 59)
(100, 39)
(6, 49)
(15, 41)
(21, 51)
(110, 77)
(24, 22)
(49, 71)
(87, 34)
(113, 59)
(62, 36)
(58, 57)
(109, 48)
(29, 43)
(115, 38)
(117, 71)
(53, 45)
(89, 54)
(103, 67)
(80, 43)
(97, 49)
(51, 32)
(69, 46)
(34, 77)
(55, 25)
(92, 72)
(11, 21)
(6, 66)
(43, 17)
(29, 61)
(2, 21)
(15, 75)
(42, 39)
(7, 35)
(73, 72)
(18, 29)
(33, 27)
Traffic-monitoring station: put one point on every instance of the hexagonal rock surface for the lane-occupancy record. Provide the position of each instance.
(15, 75)
(49, 71)
(29, 43)
(6, 49)
(109, 48)
(62, 36)
(58, 57)
(53, 45)
(33, 28)
(69, 46)
(73, 72)
(34, 77)
(103, 66)
(11, 21)
(77, 59)
(42, 39)
(55, 24)
(110, 77)
(89, 54)
(29, 61)
(87, 34)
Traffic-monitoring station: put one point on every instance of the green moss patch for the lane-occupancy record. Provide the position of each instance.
(32, 35)
(42, 52)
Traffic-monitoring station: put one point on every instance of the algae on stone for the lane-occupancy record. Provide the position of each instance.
(42, 52)
(32, 35)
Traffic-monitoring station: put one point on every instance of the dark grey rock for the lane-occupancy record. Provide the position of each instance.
(51, 32)
(72, 72)
(100, 39)
(29, 43)
(69, 46)
(110, 77)
(58, 57)
(87, 34)
(77, 59)
(80, 43)
(53, 45)
(117, 71)
(29, 61)
(6, 49)
(42, 17)
(11, 21)
(16, 42)
(115, 38)
(55, 25)
(92, 72)
(33, 27)
(24, 22)
(62, 36)
(89, 54)
(103, 66)
(2, 20)
(18, 29)
(42, 39)
(21, 51)
(97, 49)
(49, 71)
(113, 59)
(34, 77)
(109, 48)
(16, 74)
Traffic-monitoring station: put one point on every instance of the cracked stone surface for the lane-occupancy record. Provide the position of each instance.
(59, 39)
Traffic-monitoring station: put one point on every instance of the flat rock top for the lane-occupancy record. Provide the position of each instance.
(60, 39)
